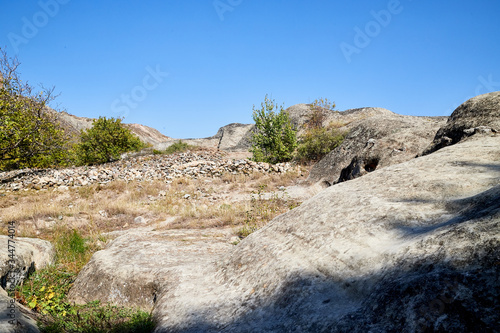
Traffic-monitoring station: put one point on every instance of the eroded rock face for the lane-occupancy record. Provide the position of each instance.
(480, 114)
(29, 254)
(235, 137)
(377, 138)
(408, 248)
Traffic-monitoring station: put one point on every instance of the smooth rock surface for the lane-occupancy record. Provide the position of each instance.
(408, 248)
(138, 266)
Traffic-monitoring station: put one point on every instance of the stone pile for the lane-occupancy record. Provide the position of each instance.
(141, 168)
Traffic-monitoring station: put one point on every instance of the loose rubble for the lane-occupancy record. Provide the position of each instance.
(142, 168)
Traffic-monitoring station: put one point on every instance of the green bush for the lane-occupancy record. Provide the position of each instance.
(105, 141)
(317, 142)
(274, 139)
(46, 290)
(177, 147)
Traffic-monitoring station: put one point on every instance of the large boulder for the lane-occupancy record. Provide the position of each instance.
(235, 137)
(136, 267)
(408, 248)
(480, 114)
(25, 256)
(29, 254)
(376, 138)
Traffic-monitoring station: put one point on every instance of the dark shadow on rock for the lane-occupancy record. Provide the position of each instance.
(454, 289)
(427, 297)
(479, 206)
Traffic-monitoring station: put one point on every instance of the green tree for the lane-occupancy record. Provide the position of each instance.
(105, 141)
(274, 139)
(30, 135)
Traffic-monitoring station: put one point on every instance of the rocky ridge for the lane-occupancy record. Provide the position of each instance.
(141, 168)
(74, 124)
(376, 138)
(480, 114)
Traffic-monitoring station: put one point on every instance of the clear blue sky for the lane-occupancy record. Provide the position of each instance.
(211, 61)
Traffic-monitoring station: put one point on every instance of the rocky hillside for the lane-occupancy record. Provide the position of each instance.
(410, 247)
(144, 168)
(376, 138)
(73, 125)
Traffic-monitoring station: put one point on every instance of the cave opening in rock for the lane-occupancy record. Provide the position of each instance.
(371, 165)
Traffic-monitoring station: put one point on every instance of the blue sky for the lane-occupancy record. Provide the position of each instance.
(187, 67)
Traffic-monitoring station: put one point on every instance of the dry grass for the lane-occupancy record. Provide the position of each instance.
(99, 208)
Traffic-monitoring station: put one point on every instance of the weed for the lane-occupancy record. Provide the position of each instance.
(263, 210)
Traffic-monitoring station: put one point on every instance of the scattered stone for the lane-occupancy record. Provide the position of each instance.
(208, 164)
(140, 220)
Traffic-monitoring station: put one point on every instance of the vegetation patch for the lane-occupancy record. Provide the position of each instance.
(262, 209)
(46, 290)
(177, 147)
(275, 139)
(318, 139)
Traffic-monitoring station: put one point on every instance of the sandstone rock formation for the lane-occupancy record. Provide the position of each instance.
(478, 114)
(135, 267)
(377, 138)
(235, 137)
(410, 247)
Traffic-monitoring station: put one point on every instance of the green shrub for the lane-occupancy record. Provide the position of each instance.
(177, 147)
(105, 141)
(274, 139)
(315, 143)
